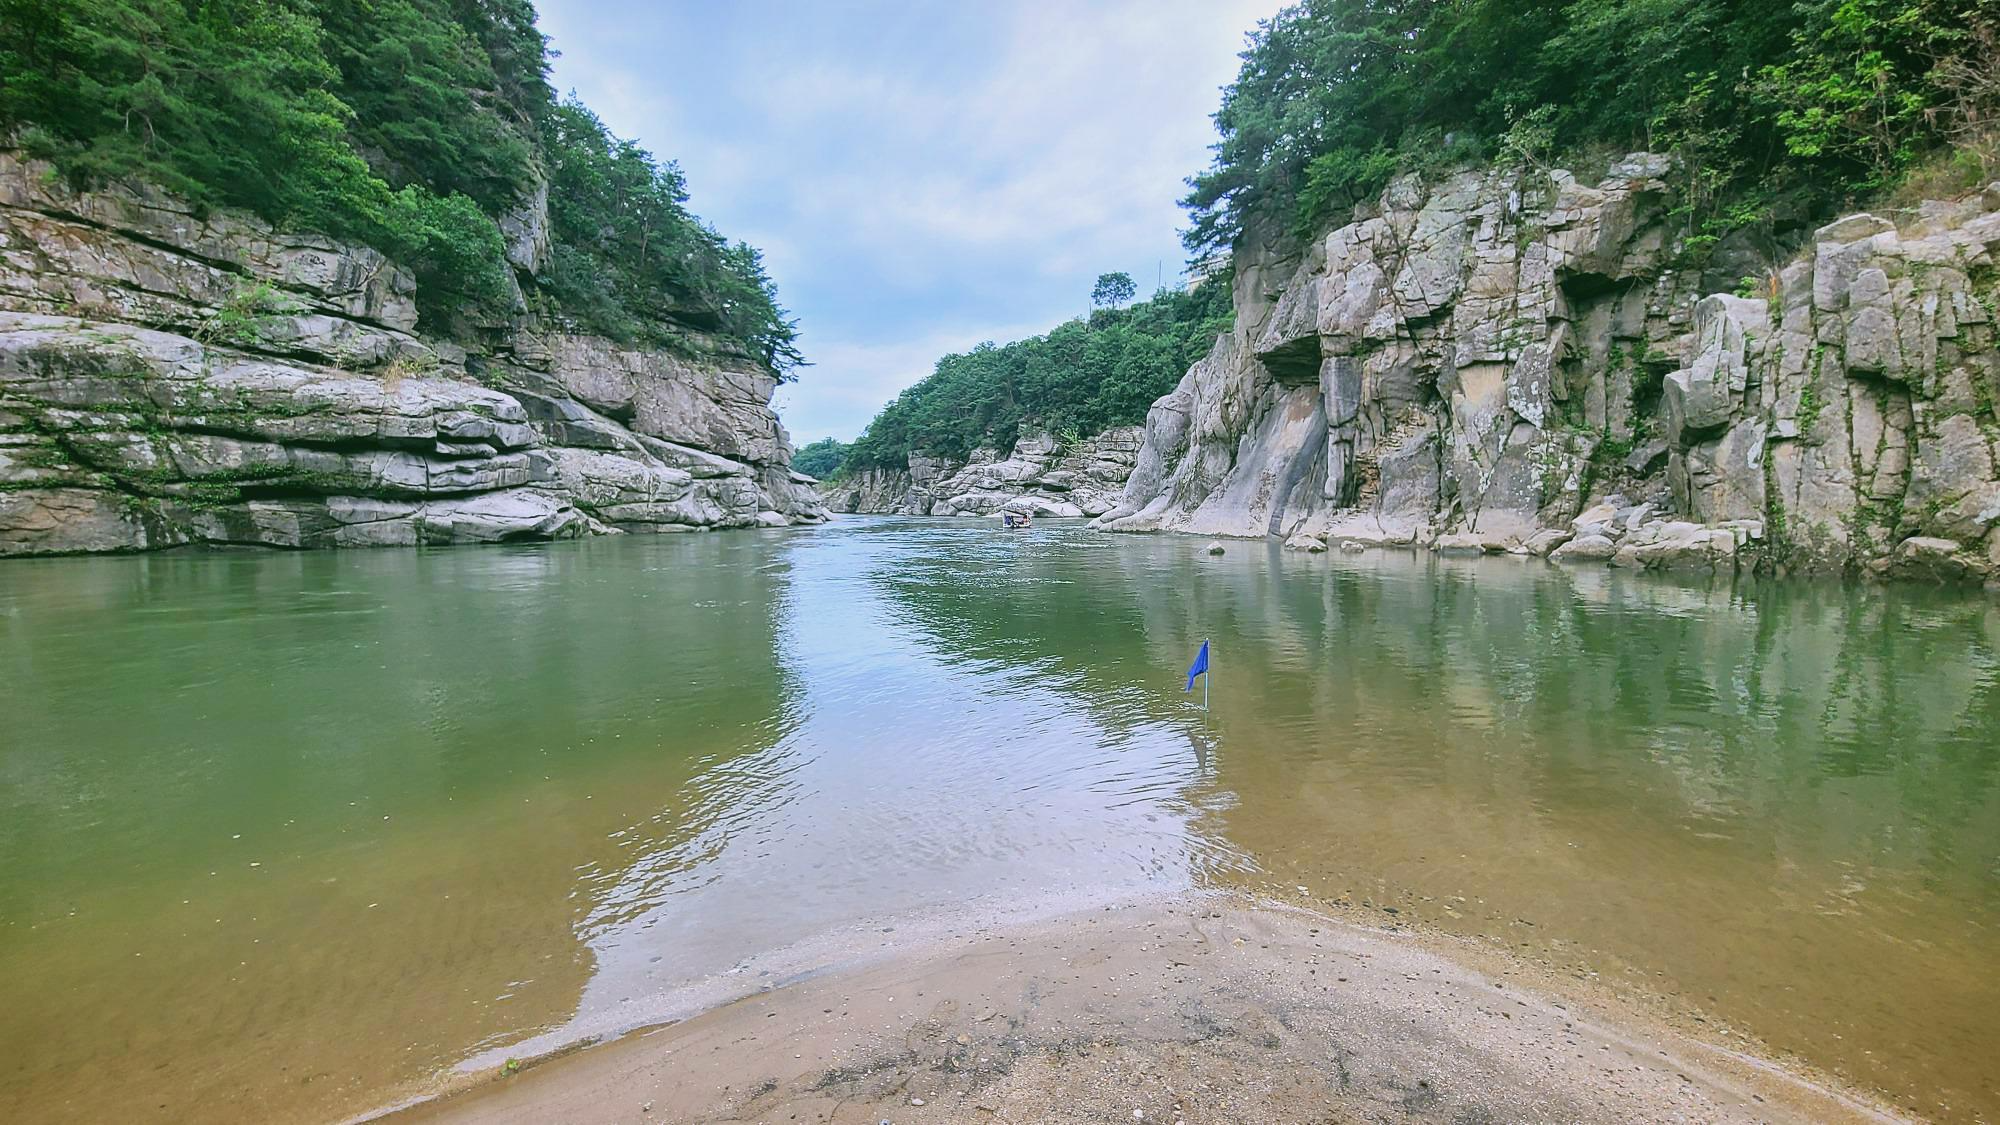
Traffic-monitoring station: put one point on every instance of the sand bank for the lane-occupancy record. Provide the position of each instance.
(1201, 1009)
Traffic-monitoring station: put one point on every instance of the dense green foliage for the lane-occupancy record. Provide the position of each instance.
(626, 246)
(409, 125)
(1776, 111)
(822, 459)
(1078, 380)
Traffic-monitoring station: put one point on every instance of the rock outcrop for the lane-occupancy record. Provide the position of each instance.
(170, 378)
(1472, 364)
(1040, 476)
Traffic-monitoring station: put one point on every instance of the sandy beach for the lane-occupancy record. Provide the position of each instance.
(1207, 1008)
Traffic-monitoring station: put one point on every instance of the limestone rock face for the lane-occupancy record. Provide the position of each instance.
(526, 229)
(885, 492)
(1039, 476)
(1473, 364)
(170, 379)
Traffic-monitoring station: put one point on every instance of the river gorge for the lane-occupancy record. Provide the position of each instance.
(1342, 562)
(288, 836)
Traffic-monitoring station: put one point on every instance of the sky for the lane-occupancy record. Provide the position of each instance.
(921, 176)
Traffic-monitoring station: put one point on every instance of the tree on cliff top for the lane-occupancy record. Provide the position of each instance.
(627, 247)
(1113, 290)
(409, 125)
(1774, 107)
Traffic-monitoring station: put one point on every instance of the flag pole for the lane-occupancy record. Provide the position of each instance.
(1207, 674)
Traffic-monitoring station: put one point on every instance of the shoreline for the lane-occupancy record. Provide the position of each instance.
(1662, 547)
(1203, 1006)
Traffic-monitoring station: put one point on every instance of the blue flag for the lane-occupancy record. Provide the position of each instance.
(1199, 666)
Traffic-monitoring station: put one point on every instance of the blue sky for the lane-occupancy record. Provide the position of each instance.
(920, 176)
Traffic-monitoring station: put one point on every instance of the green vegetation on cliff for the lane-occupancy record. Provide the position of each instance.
(409, 125)
(1080, 379)
(1776, 111)
(821, 459)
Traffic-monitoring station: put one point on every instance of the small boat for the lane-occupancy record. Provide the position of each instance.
(1015, 521)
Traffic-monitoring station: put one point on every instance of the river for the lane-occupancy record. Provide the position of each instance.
(282, 836)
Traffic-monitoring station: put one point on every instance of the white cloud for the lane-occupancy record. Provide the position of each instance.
(906, 166)
(869, 375)
(1082, 123)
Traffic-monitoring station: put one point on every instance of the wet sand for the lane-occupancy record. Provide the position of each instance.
(1200, 1008)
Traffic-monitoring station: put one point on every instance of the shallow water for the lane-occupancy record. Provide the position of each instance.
(282, 835)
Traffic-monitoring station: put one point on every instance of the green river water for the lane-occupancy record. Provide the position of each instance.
(283, 836)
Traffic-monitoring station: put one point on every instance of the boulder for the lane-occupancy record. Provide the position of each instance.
(1472, 543)
(1696, 549)
(1548, 539)
(1929, 558)
(1585, 548)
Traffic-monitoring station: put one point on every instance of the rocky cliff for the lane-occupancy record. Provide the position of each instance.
(1521, 361)
(1040, 476)
(169, 378)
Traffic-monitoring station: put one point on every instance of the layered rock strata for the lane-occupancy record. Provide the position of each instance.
(1474, 363)
(169, 377)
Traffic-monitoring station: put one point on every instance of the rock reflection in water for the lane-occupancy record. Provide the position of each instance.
(474, 803)
(1773, 803)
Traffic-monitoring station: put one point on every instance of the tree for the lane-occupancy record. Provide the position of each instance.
(408, 125)
(1113, 291)
(1856, 86)
(822, 459)
(1082, 377)
(1779, 107)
